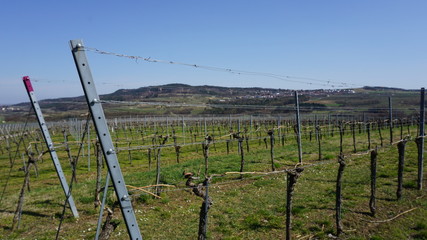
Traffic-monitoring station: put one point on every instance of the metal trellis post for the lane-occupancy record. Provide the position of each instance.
(101, 211)
(49, 143)
(421, 147)
(390, 119)
(104, 136)
(298, 127)
(88, 148)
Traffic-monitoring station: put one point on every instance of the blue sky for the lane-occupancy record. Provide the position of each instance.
(361, 42)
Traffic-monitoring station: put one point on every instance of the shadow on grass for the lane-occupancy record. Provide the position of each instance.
(48, 203)
(378, 198)
(31, 213)
(322, 208)
(308, 179)
(362, 213)
(7, 228)
(387, 199)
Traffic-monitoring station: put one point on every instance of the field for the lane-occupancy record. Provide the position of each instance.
(247, 205)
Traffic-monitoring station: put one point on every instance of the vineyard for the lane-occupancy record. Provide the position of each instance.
(248, 161)
(309, 172)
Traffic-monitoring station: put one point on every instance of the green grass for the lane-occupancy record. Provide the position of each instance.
(249, 208)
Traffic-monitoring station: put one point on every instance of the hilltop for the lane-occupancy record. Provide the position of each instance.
(178, 99)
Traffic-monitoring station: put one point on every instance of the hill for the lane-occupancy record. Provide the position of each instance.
(183, 99)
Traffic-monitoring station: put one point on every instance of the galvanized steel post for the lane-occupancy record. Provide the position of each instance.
(422, 135)
(104, 137)
(298, 127)
(49, 143)
(390, 112)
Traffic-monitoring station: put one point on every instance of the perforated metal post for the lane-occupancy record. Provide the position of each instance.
(49, 143)
(104, 137)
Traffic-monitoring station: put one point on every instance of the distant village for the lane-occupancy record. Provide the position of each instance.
(10, 109)
(267, 93)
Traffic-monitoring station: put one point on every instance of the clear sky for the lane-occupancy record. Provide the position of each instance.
(362, 42)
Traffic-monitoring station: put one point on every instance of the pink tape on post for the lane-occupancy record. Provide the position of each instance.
(27, 83)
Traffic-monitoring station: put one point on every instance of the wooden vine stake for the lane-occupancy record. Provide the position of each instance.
(206, 144)
(247, 142)
(129, 152)
(338, 199)
(379, 132)
(271, 134)
(293, 175)
(319, 142)
(162, 143)
(67, 147)
(401, 148)
(195, 140)
(368, 128)
(9, 151)
(353, 130)
(242, 155)
(99, 160)
(32, 161)
(149, 158)
(177, 152)
(372, 200)
(176, 146)
(18, 211)
(341, 129)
